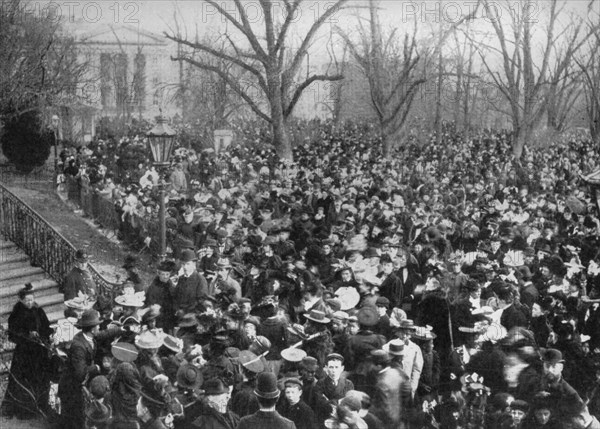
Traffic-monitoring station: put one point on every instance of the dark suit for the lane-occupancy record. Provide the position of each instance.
(328, 394)
(301, 414)
(80, 364)
(189, 291)
(78, 281)
(265, 420)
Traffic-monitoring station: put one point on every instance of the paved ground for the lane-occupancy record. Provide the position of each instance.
(106, 252)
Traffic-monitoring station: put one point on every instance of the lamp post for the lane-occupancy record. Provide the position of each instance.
(161, 139)
(55, 122)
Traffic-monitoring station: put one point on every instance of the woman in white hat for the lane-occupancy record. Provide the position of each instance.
(148, 362)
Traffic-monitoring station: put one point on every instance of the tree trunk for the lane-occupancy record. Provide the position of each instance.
(281, 139)
(386, 143)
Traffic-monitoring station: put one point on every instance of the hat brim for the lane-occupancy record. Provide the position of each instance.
(88, 324)
(267, 395)
(324, 320)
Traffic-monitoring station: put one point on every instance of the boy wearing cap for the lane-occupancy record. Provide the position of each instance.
(332, 388)
(294, 408)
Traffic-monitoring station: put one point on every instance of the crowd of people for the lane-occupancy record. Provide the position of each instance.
(443, 287)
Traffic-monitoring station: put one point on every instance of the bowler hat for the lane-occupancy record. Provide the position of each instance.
(214, 386)
(88, 318)
(188, 255)
(266, 386)
(81, 256)
(552, 356)
(368, 316)
(188, 376)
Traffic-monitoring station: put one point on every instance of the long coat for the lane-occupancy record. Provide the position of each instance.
(392, 396)
(80, 364)
(189, 292)
(211, 419)
(30, 363)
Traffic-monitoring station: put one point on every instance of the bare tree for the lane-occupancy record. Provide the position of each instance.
(38, 65)
(273, 67)
(563, 78)
(391, 70)
(589, 63)
(522, 81)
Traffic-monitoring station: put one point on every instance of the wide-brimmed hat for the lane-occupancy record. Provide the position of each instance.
(368, 316)
(189, 376)
(188, 255)
(317, 316)
(188, 320)
(251, 361)
(129, 299)
(173, 343)
(89, 318)
(348, 296)
(98, 413)
(407, 324)
(149, 340)
(293, 354)
(424, 333)
(81, 256)
(124, 352)
(80, 302)
(266, 386)
(214, 387)
(394, 347)
(167, 266)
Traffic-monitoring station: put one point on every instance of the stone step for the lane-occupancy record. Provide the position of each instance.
(14, 265)
(37, 278)
(47, 301)
(4, 244)
(40, 288)
(12, 254)
(19, 273)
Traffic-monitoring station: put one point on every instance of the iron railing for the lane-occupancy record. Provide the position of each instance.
(46, 247)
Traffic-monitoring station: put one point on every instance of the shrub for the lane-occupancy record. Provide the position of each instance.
(25, 142)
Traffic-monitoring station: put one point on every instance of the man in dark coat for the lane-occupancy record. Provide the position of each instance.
(191, 287)
(267, 393)
(79, 278)
(79, 368)
(294, 408)
(160, 292)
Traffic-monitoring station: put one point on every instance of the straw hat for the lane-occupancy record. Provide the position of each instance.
(131, 299)
(317, 316)
(149, 340)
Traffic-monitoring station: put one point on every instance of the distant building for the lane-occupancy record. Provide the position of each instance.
(129, 75)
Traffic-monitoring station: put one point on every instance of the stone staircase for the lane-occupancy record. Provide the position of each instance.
(15, 271)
